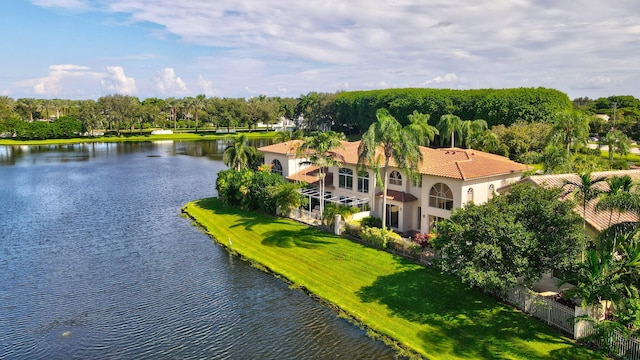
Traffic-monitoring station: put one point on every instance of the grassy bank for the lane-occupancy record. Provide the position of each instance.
(136, 138)
(429, 313)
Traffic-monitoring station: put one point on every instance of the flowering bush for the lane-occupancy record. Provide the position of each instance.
(424, 239)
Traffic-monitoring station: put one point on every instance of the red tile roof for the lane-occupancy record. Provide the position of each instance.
(398, 196)
(451, 163)
(598, 220)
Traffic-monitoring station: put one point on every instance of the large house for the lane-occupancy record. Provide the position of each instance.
(449, 179)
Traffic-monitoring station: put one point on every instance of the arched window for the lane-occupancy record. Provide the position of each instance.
(395, 178)
(345, 178)
(441, 197)
(363, 181)
(470, 195)
(277, 167)
(492, 191)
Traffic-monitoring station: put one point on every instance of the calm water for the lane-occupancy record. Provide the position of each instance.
(96, 262)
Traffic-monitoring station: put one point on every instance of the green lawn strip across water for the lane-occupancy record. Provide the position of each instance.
(136, 138)
(428, 313)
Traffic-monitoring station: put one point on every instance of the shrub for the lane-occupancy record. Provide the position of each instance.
(372, 221)
(378, 237)
(353, 229)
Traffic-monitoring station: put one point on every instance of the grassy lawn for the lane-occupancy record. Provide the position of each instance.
(430, 313)
(136, 138)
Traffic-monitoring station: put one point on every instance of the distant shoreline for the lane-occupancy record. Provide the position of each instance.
(136, 138)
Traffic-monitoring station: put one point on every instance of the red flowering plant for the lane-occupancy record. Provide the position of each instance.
(424, 239)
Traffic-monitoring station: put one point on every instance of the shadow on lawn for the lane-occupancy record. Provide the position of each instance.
(246, 219)
(464, 322)
(308, 238)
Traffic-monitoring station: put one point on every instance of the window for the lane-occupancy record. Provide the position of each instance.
(392, 216)
(345, 178)
(363, 181)
(470, 195)
(395, 178)
(441, 197)
(492, 191)
(418, 182)
(276, 167)
(419, 217)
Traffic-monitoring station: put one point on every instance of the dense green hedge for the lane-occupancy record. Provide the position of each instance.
(357, 109)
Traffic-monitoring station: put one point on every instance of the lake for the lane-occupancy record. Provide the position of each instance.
(97, 262)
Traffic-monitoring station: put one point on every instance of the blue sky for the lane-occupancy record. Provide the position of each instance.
(80, 49)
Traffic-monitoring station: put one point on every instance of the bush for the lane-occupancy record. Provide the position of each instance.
(379, 237)
(353, 229)
(371, 221)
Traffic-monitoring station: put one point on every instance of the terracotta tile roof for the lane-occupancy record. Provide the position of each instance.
(398, 196)
(310, 176)
(598, 220)
(452, 163)
(285, 148)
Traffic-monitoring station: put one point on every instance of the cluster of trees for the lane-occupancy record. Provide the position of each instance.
(495, 106)
(62, 128)
(118, 112)
(516, 237)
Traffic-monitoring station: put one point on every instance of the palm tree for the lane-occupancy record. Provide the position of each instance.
(419, 128)
(388, 135)
(317, 149)
(617, 142)
(286, 135)
(471, 129)
(586, 190)
(198, 104)
(618, 196)
(172, 104)
(449, 125)
(239, 153)
(570, 128)
(29, 105)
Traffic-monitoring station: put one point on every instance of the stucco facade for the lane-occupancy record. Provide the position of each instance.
(450, 178)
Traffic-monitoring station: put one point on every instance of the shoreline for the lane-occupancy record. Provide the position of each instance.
(390, 298)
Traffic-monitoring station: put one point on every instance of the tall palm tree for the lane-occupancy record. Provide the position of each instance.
(172, 104)
(570, 128)
(317, 148)
(198, 104)
(419, 128)
(387, 138)
(29, 105)
(586, 190)
(239, 153)
(449, 125)
(471, 129)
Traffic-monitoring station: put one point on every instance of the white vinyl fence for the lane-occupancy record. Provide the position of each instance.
(548, 310)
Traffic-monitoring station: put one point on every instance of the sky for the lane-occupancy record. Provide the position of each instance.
(84, 49)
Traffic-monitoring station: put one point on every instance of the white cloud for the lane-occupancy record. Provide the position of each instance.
(115, 80)
(319, 45)
(59, 75)
(169, 83)
(206, 86)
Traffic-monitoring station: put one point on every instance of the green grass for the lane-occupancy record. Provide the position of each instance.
(429, 313)
(135, 138)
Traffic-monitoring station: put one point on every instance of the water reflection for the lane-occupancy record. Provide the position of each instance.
(43, 154)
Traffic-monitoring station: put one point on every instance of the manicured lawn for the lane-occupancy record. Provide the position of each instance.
(430, 313)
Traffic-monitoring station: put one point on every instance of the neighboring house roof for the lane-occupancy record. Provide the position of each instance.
(597, 220)
(452, 163)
